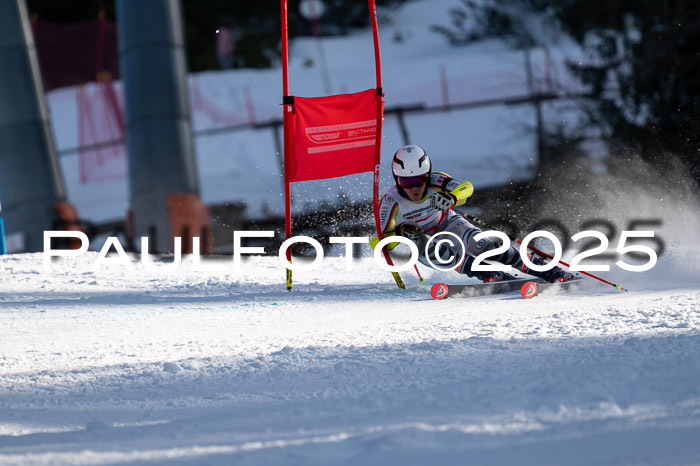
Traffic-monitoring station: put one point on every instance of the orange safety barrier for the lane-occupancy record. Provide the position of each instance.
(189, 218)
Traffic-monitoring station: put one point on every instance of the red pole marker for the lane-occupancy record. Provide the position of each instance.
(528, 290)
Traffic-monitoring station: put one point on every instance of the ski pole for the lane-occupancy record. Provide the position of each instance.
(420, 278)
(534, 249)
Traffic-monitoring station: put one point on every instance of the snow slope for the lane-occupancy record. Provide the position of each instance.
(179, 366)
(219, 367)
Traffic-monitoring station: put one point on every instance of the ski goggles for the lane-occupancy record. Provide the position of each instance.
(408, 182)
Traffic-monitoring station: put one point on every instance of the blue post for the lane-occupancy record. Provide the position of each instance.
(3, 248)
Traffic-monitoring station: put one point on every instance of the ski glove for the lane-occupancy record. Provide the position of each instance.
(410, 231)
(442, 201)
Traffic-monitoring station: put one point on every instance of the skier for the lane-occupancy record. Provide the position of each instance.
(420, 205)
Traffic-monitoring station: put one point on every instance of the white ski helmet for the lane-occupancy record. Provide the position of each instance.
(410, 160)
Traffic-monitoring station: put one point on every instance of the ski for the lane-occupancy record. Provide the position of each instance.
(533, 288)
(443, 290)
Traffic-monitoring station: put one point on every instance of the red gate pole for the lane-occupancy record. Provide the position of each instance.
(286, 122)
(378, 141)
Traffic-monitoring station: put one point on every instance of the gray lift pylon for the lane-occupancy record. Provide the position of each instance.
(33, 194)
(164, 188)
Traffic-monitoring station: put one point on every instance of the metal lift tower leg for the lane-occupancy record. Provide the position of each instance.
(31, 185)
(164, 189)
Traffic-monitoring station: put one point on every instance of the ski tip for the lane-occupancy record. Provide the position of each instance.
(439, 290)
(528, 290)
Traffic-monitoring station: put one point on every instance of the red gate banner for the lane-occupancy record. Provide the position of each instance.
(327, 137)
(333, 136)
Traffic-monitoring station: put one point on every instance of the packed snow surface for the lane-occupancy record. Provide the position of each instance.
(180, 366)
(183, 366)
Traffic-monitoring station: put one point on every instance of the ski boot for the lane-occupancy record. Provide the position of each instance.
(558, 275)
(495, 276)
(555, 275)
(486, 276)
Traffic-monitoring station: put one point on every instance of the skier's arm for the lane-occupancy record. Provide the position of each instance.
(461, 192)
(458, 191)
(388, 211)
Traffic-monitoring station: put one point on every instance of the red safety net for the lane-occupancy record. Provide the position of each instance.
(212, 111)
(333, 136)
(101, 133)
